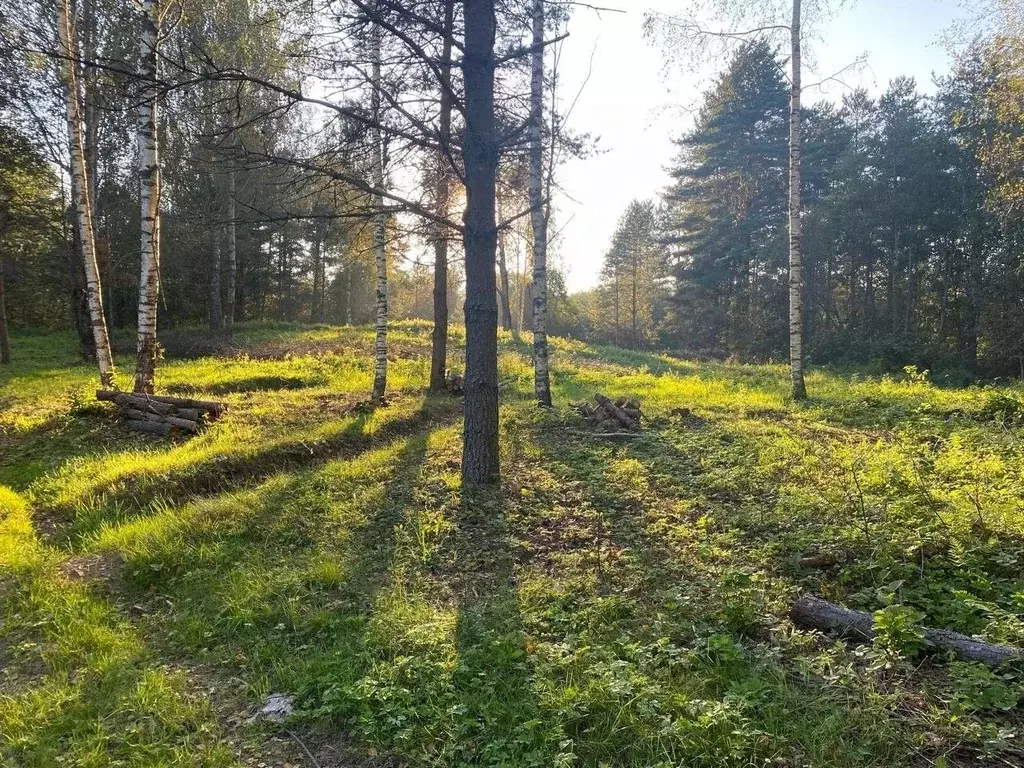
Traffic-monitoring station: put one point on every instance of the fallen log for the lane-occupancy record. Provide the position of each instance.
(152, 427)
(615, 411)
(820, 560)
(215, 409)
(815, 613)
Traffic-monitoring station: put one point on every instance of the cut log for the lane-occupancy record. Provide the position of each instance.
(821, 560)
(152, 427)
(620, 415)
(140, 403)
(815, 613)
(185, 424)
(192, 414)
(134, 414)
(215, 409)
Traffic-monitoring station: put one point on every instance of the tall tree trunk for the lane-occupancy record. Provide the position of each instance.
(615, 287)
(149, 193)
(796, 287)
(439, 338)
(321, 298)
(79, 300)
(90, 119)
(216, 308)
(480, 456)
(538, 217)
(314, 310)
(380, 224)
(504, 293)
(80, 194)
(5, 339)
(633, 308)
(232, 253)
(348, 295)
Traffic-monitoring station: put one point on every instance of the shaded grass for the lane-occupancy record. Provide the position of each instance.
(612, 604)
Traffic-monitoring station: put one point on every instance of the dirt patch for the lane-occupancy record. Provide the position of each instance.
(102, 567)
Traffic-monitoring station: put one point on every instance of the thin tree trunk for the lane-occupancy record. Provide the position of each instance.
(90, 115)
(634, 311)
(538, 218)
(232, 254)
(439, 338)
(796, 289)
(79, 302)
(5, 339)
(321, 299)
(314, 310)
(348, 295)
(149, 193)
(80, 196)
(216, 308)
(503, 294)
(616, 305)
(480, 455)
(380, 223)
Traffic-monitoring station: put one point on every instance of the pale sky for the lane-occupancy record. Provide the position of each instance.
(637, 108)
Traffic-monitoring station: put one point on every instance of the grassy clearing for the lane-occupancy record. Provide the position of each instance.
(612, 605)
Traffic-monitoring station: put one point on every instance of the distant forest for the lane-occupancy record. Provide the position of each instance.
(912, 229)
(912, 226)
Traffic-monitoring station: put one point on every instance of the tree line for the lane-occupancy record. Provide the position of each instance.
(172, 161)
(911, 230)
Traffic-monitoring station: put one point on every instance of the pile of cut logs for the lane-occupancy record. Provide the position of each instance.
(610, 415)
(160, 414)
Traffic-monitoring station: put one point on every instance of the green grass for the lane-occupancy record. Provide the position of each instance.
(614, 604)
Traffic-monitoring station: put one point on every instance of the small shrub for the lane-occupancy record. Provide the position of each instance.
(899, 630)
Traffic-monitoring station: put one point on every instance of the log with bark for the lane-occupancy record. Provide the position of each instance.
(815, 613)
(160, 414)
(610, 415)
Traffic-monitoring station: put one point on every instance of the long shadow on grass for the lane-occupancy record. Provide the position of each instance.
(220, 473)
(280, 587)
(497, 718)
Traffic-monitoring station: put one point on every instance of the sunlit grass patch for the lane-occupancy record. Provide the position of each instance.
(616, 603)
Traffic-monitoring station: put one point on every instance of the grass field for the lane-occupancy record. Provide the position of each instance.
(617, 603)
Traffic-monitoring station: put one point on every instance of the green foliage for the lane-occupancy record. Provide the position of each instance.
(615, 604)
(899, 631)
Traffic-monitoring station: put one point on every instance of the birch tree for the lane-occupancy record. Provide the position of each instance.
(231, 267)
(80, 189)
(750, 19)
(149, 193)
(380, 218)
(796, 240)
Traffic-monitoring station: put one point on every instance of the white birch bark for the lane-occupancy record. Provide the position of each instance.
(538, 219)
(796, 287)
(80, 192)
(231, 271)
(216, 308)
(149, 194)
(380, 347)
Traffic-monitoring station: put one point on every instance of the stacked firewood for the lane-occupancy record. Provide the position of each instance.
(609, 415)
(161, 414)
(454, 384)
